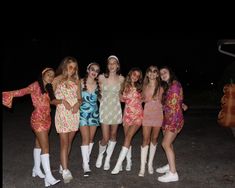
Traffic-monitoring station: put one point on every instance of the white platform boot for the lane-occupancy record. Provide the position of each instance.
(152, 151)
(49, 179)
(85, 158)
(100, 155)
(121, 157)
(109, 151)
(143, 159)
(37, 163)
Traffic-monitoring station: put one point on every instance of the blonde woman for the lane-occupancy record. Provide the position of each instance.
(67, 88)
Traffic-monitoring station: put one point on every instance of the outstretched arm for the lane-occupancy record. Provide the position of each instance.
(7, 96)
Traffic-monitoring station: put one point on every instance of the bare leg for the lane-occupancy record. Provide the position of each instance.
(129, 135)
(42, 141)
(155, 134)
(71, 137)
(168, 139)
(92, 133)
(113, 134)
(85, 135)
(64, 145)
(105, 134)
(146, 131)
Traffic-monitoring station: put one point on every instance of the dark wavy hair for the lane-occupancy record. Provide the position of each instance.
(166, 85)
(48, 88)
(98, 92)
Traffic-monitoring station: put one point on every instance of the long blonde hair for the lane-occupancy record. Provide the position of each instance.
(63, 68)
(62, 72)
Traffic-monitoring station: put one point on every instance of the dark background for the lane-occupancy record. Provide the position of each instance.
(194, 57)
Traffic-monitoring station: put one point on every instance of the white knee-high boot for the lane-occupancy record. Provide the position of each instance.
(152, 151)
(128, 160)
(144, 153)
(49, 179)
(100, 155)
(121, 157)
(85, 157)
(109, 151)
(37, 163)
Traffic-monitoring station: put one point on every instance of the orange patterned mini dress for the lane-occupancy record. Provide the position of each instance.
(40, 118)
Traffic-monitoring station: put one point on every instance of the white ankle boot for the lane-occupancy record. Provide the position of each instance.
(102, 149)
(152, 151)
(121, 157)
(85, 158)
(49, 179)
(109, 151)
(163, 169)
(128, 160)
(169, 177)
(37, 163)
(143, 156)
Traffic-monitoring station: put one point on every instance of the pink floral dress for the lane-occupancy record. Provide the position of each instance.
(65, 120)
(133, 111)
(40, 118)
(173, 114)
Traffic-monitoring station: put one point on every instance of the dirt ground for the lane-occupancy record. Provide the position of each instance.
(205, 155)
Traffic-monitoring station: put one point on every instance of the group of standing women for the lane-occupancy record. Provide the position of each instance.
(77, 108)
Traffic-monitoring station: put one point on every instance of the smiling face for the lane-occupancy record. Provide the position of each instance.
(113, 65)
(135, 76)
(165, 74)
(71, 68)
(153, 73)
(93, 71)
(48, 76)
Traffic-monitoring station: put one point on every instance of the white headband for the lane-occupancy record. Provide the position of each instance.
(46, 69)
(114, 57)
(90, 64)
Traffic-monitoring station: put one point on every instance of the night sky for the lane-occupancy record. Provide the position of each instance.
(196, 61)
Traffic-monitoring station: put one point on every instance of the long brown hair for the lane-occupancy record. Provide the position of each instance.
(106, 74)
(158, 80)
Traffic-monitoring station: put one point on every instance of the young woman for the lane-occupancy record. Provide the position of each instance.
(110, 109)
(89, 112)
(67, 88)
(173, 121)
(133, 113)
(153, 117)
(42, 95)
